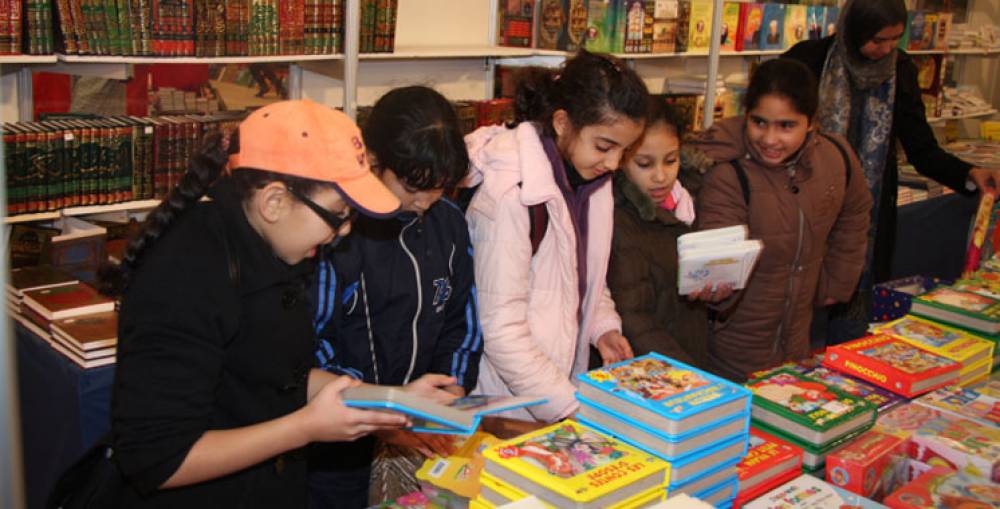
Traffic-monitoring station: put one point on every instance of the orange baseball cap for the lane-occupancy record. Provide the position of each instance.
(309, 140)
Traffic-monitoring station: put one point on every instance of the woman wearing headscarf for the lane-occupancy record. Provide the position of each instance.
(869, 93)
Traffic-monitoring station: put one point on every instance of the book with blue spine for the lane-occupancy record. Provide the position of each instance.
(667, 447)
(458, 417)
(721, 493)
(692, 466)
(663, 393)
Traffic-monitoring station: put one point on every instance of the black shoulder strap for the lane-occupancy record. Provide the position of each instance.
(538, 220)
(843, 156)
(741, 175)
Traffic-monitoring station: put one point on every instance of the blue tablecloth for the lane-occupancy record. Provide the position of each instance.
(64, 410)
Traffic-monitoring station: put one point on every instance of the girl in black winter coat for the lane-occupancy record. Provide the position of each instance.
(213, 396)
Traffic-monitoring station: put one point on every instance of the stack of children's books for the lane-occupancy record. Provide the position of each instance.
(569, 464)
(893, 364)
(694, 420)
(962, 308)
(808, 413)
(975, 354)
(769, 463)
(722, 256)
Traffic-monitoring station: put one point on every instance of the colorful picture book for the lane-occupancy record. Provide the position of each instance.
(665, 26)
(960, 444)
(881, 398)
(568, 464)
(772, 28)
(965, 309)
(769, 461)
(796, 17)
(601, 24)
(893, 364)
(945, 341)
(700, 26)
(458, 474)
(808, 492)
(460, 416)
(553, 17)
(751, 22)
(730, 26)
(813, 412)
(905, 419)
(979, 402)
(872, 465)
(664, 394)
(721, 256)
(944, 487)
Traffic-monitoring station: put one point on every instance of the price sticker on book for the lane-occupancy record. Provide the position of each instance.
(68, 136)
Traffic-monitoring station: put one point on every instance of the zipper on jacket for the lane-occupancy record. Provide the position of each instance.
(420, 298)
(791, 283)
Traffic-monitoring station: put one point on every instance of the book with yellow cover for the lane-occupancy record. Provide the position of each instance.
(940, 339)
(459, 473)
(568, 464)
(497, 493)
(700, 27)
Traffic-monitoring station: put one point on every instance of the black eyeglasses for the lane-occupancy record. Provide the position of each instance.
(335, 221)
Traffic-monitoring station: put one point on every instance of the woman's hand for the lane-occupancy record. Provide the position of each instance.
(326, 419)
(434, 387)
(428, 444)
(712, 295)
(614, 347)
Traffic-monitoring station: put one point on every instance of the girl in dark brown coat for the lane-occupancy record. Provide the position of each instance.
(654, 206)
(800, 191)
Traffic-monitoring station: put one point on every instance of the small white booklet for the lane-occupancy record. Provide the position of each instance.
(459, 417)
(716, 257)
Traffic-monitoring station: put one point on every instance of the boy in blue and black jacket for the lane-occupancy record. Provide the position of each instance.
(396, 300)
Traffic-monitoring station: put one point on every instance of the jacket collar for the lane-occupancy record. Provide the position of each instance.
(259, 267)
(501, 158)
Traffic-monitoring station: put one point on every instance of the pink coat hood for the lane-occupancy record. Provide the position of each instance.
(534, 344)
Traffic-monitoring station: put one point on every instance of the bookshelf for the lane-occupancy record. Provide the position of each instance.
(447, 44)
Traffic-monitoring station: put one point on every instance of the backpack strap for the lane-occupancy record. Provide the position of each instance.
(741, 175)
(843, 156)
(538, 221)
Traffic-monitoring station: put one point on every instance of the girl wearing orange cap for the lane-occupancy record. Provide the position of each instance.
(214, 395)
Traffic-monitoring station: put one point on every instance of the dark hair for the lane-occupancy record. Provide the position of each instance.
(414, 131)
(662, 112)
(788, 78)
(204, 169)
(862, 19)
(590, 87)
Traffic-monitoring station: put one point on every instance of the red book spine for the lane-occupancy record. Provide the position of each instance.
(741, 27)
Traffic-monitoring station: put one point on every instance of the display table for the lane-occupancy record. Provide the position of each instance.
(932, 236)
(64, 410)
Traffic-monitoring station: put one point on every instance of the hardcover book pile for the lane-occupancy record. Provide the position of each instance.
(660, 26)
(695, 421)
(569, 464)
(62, 163)
(975, 354)
(808, 413)
(209, 28)
(722, 256)
(769, 463)
(70, 316)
